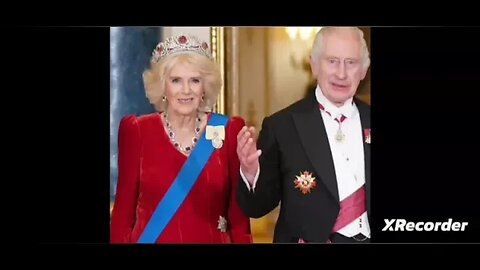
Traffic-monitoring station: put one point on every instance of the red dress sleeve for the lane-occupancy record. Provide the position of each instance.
(123, 212)
(239, 222)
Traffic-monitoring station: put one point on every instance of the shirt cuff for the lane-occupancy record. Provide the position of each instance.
(250, 187)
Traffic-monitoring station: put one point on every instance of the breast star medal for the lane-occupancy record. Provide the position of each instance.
(305, 182)
(222, 224)
(366, 134)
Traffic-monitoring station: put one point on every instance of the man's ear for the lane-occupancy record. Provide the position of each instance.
(364, 73)
(313, 66)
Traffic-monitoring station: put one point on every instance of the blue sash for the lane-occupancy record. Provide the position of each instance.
(182, 185)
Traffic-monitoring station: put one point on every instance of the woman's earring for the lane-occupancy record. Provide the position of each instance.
(164, 98)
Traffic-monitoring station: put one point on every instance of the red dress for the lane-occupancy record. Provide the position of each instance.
(148, 164)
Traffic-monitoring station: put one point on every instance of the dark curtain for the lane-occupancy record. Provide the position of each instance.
(130, 51)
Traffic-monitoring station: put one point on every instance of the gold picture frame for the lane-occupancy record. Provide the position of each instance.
(217, 39)
(224, 42)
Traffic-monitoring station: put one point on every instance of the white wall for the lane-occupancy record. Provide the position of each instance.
(268, 79)
(288, 82)
(253, 74)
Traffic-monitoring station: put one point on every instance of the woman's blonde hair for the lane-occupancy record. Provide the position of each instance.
(155, 78)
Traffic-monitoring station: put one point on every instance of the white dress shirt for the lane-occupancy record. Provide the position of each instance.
(348, 155)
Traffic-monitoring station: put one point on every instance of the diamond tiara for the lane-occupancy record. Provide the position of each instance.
(180, 43)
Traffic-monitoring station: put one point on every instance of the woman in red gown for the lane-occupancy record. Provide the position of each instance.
(182, 83)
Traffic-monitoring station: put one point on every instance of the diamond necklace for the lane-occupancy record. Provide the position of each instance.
(171, 134)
